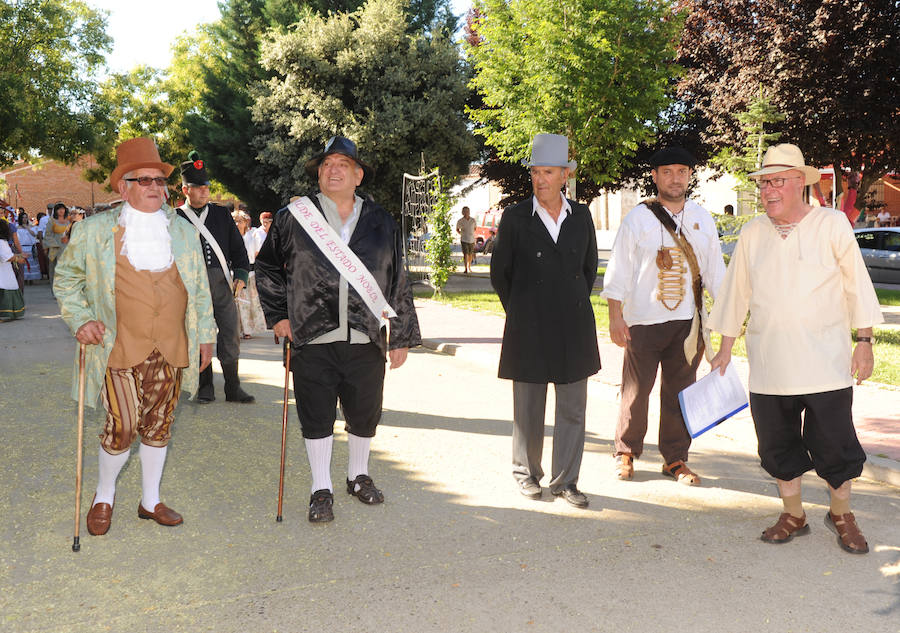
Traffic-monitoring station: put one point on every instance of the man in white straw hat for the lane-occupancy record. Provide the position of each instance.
(543, 268)
(132, 287)
(666, 251)
(799, 272)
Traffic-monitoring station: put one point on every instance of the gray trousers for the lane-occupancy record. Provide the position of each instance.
(228, 340)
(529, 402)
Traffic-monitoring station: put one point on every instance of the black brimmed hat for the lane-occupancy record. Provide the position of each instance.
(338, 145)
(193, 170)
(672, 156)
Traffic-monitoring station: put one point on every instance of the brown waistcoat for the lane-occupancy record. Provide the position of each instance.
(150, 311)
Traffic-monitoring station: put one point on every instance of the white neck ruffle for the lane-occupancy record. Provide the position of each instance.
(146, 243)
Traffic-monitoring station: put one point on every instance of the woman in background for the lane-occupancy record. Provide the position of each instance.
(28, 241)
(54, 234)
(253, 321)
(12, 305)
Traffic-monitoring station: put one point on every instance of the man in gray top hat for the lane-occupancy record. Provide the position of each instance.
(543, 268)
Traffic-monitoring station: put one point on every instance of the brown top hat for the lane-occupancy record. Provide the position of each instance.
(134, 154)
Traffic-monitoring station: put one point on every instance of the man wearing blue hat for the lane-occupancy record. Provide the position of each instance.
(331, 278)
(666, 251)
(543, 269)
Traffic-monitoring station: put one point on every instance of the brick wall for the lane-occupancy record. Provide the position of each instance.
(51, 182)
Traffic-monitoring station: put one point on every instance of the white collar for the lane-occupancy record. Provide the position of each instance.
(535, 205)
(146, 242)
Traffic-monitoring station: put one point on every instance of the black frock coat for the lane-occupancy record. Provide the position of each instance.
(550, 333)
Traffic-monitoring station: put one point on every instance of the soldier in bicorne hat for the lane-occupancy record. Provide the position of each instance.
(229, 269)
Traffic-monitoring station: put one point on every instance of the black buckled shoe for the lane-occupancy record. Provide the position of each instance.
(320, 506)
(573, 495)
(367, 492)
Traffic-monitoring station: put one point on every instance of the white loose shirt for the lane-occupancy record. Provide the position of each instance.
(632, 275)
(804, 294)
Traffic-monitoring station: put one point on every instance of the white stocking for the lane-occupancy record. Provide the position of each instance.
(153, 458)
(319, 454)
(359, 456)
(109, 468)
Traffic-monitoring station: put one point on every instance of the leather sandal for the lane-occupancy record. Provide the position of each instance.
(367, 492)
(786, 528)
(679, 471)
(625, 466)
(849, 537)
(320, 506)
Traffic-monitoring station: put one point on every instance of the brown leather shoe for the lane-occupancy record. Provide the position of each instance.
(99, 518)
(162, 514)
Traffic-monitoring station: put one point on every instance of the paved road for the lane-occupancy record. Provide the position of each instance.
(454, 548)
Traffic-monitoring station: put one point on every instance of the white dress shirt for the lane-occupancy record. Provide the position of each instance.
(553, 226)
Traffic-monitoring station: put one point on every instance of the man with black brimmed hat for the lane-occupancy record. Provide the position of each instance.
(224, 250)
(799, 272)
(543, 268)
(132, 287)
(665, 253)
(330, 277)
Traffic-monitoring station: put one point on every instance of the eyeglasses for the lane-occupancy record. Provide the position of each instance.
(144, 181)
(775, 183)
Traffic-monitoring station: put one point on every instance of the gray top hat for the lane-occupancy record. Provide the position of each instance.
(550, 150)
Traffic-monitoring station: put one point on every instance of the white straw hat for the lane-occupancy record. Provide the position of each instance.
(783, 157)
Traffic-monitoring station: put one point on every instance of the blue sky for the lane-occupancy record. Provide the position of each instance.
(143, 33)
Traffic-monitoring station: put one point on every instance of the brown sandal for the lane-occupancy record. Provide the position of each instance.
(849, 537)
(786, 528)
(625, 466)
(679, 471)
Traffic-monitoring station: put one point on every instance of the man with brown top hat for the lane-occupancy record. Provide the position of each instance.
(330, 277)
(665, 252)
(131, 285)
(799, 273)
(224, 252)
(543, 268)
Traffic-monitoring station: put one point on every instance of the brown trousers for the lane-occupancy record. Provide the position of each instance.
(651, 346)
(139, 400)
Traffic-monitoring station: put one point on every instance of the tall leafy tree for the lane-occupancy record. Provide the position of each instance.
(52, 51)
(221, 126)
(595, 70)
(151, 102)
(364, 75)
(830, 66)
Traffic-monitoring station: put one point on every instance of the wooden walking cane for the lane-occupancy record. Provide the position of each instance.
(284, 417)
(76, 545)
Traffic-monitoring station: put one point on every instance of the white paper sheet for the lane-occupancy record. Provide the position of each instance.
(712, 400)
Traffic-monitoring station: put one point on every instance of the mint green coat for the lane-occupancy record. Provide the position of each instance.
(85, 290)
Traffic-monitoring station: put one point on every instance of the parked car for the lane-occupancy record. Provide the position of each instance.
(489, 223)
(881, 251)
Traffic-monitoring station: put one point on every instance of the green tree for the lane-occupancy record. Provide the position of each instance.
(438, 250)
(366, 76)
(52, 51)
(594, 70)
(152, 102)
(742, 159)
(221, 125)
